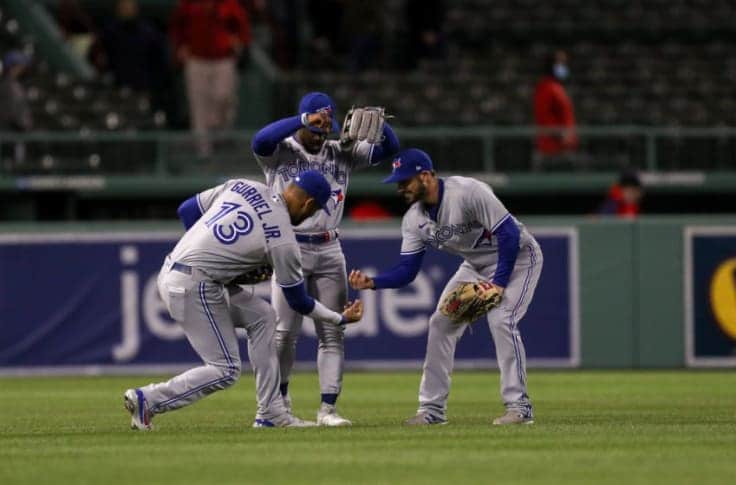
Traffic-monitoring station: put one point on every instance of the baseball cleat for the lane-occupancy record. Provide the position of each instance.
(514, 416)
(423, 418)
(283, 421)
(137, 405)
(327, 416)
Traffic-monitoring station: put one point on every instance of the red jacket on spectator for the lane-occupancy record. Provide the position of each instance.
(553, 109)
(210, 29)
(616, 205)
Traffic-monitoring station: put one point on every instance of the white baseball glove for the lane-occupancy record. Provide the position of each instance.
(363, 124)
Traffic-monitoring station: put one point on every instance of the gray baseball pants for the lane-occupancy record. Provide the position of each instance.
(504, 325)
(325, 275)
(208, 312)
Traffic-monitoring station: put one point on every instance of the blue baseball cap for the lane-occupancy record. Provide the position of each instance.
(315, 184)
(314, 103)
(407, 164)
(15, 58)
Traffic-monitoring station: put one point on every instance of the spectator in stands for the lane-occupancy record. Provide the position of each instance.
(136, 53)
(282, 18)
(209, 37)
(553, 109)
(15, 114)
(624, 197)
(425, 19)
(77, 27)
(363, 33)
(326, 19)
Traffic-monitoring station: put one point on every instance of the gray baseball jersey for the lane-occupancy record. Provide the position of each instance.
(243, 226)
(291, 158)
(468, 215)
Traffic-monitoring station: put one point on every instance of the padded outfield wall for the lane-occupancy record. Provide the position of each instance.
(658, 292)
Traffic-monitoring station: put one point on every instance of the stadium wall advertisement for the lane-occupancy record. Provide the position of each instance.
(88, 302)
(710, 296)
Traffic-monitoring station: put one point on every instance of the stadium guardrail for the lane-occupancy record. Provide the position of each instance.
(671, 157)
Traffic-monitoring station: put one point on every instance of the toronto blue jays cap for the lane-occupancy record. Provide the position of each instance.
(15, 58)
(407, 164)
(314, 103)
(315, 185)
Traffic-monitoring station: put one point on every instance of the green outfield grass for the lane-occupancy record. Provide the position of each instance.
(592, 427)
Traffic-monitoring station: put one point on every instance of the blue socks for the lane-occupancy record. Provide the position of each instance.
(326, 398)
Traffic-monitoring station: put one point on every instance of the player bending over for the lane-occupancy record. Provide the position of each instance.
(502, 265)
(232, 229)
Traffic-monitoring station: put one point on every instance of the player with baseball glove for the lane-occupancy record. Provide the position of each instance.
(467, 302)
(284, 149)
(502, 265)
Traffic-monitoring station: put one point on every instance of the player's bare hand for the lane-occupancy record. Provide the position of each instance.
(360, 281)
(321, 120)
(353, 311)
(499, 289)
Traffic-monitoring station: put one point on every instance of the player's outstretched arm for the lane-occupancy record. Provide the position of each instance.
(397, 277)
(288, 270)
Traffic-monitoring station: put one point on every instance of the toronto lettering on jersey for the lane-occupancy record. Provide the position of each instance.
(252, 197)
(292, 169)
(445, 233)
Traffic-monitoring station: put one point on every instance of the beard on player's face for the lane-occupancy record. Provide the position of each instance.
(312, 141)
(413, 189)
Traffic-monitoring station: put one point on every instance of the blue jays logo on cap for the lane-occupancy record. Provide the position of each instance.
(407, 164)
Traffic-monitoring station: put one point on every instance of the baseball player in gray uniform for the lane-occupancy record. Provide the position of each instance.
(283, 149)
(233, 228)
(462, 216)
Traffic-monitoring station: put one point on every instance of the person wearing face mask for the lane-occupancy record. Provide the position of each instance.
(553, 109)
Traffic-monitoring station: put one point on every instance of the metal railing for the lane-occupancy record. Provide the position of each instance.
(458, 149)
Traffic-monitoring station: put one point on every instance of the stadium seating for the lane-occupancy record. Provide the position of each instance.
(59, 102)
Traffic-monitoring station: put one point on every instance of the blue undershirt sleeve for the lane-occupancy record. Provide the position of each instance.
(507, 234)
(388, 147)
(266, 140)
(298, 299)
(401, 274)
(189, 212)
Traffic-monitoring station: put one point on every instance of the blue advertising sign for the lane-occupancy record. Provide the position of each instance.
(710, 296)
(89, 302)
